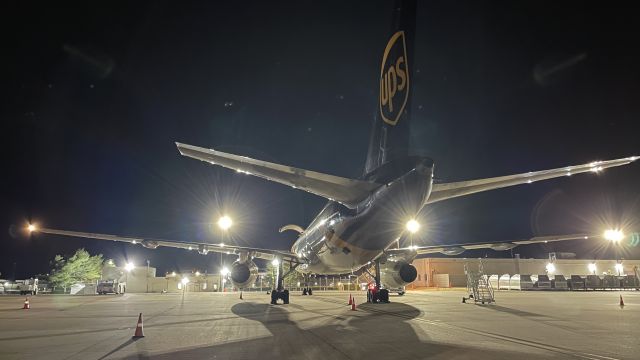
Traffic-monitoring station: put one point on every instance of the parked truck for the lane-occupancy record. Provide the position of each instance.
(109, 287)
(24, 287)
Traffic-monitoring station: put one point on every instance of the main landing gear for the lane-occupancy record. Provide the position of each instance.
(306, 290)
(279, 293)
(375, 294)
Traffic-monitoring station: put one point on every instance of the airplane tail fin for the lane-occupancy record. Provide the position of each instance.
(390, 133)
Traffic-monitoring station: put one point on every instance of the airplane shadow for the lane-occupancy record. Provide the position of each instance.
(386, 333)
(118, 348)
(515, 312)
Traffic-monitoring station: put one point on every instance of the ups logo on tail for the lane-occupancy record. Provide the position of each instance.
(394, 79)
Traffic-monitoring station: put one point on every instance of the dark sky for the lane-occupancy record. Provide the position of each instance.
(94, 95)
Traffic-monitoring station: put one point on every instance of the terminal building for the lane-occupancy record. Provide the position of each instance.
(450, 272)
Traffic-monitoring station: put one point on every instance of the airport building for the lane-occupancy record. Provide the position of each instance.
(431, 273)
(143, 279)
(450, 272)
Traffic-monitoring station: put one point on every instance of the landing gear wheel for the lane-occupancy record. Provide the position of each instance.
(279, 295)
(384, 296)
(304, 292)
(310, 291)
(375, 297)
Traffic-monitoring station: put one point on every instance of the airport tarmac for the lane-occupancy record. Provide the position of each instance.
(421, 324)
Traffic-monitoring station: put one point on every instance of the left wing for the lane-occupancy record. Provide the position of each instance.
(456, 249)
(346, 191)
(202, 248)
(461, 188)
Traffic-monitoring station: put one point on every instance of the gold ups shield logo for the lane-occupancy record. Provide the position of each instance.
(394, 79)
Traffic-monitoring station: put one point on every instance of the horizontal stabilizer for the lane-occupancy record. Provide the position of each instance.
(461, 188)
(345, 191)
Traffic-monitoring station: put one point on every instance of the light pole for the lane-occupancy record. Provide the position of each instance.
(224, 223)
(619, 268)
(185, 281)
(147, 275)
(128, 268)
(223, 276)
(412, 227)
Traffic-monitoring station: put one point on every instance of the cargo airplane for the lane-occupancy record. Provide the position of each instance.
(359, 227)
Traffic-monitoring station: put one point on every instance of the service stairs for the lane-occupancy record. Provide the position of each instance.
(478, 286)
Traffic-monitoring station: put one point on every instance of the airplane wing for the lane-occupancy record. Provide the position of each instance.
(345, 191)
(461, 188)
(202, 248)
(456, 249)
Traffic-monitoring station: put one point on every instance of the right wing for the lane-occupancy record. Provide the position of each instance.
(345, 191)
(461, 188)
(456, 249)
(202, 248)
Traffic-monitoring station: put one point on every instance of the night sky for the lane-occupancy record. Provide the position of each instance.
(94, 95)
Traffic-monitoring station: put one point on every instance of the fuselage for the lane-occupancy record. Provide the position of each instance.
(342, 239)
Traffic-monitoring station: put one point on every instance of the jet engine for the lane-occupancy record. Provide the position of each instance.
(396, 274)
(243, 274)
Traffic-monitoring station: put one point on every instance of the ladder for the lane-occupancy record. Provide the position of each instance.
(478, 285)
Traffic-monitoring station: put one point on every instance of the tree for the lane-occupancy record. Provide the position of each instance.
(81, 267)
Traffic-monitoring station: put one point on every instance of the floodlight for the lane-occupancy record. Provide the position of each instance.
(614, 235)
(225, 222)
(619, 268)
(129, 267)
(551, 268)
(413, 226)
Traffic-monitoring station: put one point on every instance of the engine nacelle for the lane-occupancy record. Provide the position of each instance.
(243, 274)
(395, 274)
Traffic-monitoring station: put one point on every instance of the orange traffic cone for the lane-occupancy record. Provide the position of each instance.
(621, 301)
(139, 333)
(26, 305)
(350, 299)
(353, 305)
(240, 295)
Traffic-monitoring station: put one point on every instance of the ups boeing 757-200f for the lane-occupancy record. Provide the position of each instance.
(364, 217)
